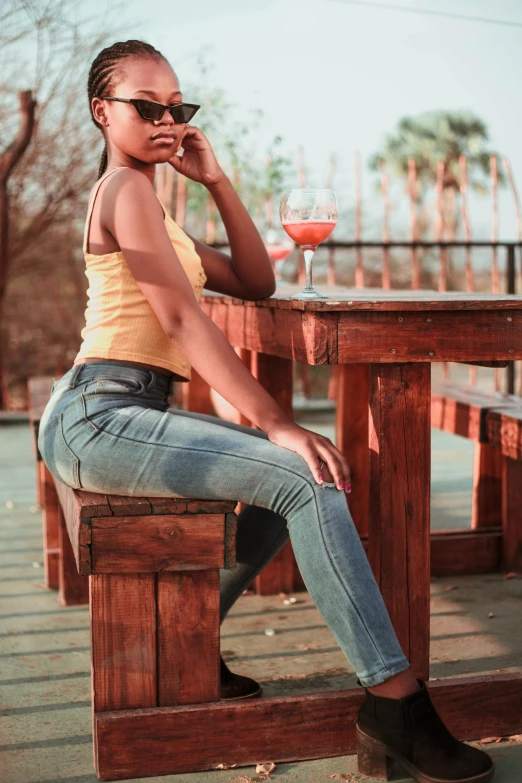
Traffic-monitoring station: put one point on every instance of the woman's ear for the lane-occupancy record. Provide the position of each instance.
(98, 111)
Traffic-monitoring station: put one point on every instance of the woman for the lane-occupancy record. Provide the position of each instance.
(107, 427)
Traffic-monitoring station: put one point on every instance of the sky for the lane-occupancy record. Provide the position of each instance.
(336, 75)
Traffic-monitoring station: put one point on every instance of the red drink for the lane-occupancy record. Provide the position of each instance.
(308, 233)
(278, 253)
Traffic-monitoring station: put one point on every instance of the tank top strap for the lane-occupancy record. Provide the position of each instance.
(91, 205)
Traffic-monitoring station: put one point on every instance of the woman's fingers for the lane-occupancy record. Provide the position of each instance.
(337, 465)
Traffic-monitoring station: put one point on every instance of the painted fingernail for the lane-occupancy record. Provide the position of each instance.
(321, 480)
(341, 484)
(349, 488)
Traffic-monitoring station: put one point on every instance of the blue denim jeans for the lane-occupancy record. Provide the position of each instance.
(108, 428)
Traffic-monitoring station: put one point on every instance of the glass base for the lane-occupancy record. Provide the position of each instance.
(309, 293)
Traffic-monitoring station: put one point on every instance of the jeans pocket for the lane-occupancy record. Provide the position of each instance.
(116, 386)
(57, 455)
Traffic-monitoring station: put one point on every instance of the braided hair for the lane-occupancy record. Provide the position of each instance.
(105, 70)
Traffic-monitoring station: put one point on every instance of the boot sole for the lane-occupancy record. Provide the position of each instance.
(253, 695)
(375, 760)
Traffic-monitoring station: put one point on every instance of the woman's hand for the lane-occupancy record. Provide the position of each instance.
(313, 448)
(198, 161)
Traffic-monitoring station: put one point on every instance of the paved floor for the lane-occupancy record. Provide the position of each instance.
(45, 731)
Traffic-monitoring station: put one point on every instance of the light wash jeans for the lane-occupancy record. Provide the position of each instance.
(108, 428)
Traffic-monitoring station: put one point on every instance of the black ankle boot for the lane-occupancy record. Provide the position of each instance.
(236, 686)
(411, 732)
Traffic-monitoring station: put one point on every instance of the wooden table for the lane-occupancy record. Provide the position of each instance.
(385, 342)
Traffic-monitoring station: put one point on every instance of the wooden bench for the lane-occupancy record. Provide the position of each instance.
(152, 568)
(504, 432)
(39, 390)
(461, 409)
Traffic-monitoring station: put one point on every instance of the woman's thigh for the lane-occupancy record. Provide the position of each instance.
(131, 449)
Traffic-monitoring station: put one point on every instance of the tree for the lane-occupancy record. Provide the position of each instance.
(257, 172)
(434, 137)
(46, 47)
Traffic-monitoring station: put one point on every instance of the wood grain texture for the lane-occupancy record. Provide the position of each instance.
(462, 332)
(123, 641)
(486, 499)
(51, 527)
(461, 409)
(174, 740)
(511, 514)
(188, 637)
(399, 522)
(343, 298)
(504, 430)
(150, 543)
(351, 428)
(463, 551)
(73, 587)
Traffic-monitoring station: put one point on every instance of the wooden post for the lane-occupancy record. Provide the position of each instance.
(386, 266)
(470, 283)
(51, 526)
(511, 286)
(399, 520)
(359, 270)
(74, 588)
(414, 230)
(351, 436)
(439, 187)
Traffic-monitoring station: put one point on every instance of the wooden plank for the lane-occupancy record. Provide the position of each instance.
(174, 740)
(399, 521)
(461, 409)
(73, 587)
(188, 637)
(51, 528)
(504, 429)
(150, 543)
(429, 337)
(511, 514)
(343, 298)
(365, 336)
(486, 502)
(457, 552)
(123, 641)
(463, 551)
(351, 427)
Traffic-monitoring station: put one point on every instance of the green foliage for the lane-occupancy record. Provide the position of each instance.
(439, 136)
(256, 173)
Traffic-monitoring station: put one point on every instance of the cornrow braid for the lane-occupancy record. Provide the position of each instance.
(105, 69)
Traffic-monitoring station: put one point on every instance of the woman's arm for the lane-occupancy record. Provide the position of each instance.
(133, 215)
(247, 273)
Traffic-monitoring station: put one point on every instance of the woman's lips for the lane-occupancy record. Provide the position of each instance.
(164, 140)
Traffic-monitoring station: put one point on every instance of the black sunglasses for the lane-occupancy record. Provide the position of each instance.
(151, 110)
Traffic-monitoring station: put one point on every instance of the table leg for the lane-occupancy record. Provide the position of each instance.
(351, 436)
(399, 521)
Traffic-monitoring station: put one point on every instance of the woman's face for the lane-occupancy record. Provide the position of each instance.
(130, 134)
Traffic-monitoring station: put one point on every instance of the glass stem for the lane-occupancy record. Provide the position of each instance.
(308, 255)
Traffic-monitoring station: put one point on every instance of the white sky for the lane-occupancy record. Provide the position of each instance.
(335, 77)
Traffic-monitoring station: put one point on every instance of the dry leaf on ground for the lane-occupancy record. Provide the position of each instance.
(265, 768)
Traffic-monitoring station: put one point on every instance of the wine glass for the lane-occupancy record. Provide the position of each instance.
(278, 246)
(309, 215)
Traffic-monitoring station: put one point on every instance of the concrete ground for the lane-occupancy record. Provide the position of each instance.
(45, 731)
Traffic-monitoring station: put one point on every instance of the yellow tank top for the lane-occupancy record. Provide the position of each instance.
(119, 321)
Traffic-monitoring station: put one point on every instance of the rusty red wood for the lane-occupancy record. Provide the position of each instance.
(397, 334)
